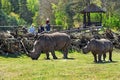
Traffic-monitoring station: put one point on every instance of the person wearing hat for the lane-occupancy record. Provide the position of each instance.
(32, 29)
(48, 25)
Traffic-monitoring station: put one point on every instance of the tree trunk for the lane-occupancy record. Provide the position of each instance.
(46, 9)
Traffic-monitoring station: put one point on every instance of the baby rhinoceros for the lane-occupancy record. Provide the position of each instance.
(99, 47)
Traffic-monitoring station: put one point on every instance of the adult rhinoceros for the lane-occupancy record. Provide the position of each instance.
(49, 42)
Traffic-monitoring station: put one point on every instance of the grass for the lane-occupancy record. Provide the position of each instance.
(79, 67)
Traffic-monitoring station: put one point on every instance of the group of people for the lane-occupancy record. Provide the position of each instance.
(47, 27)
(40, 29)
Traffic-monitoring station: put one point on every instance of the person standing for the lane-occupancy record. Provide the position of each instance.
(32, 29)
(48, 27)
(40, 28)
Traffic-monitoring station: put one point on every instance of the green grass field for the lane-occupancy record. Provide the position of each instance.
(79, 67)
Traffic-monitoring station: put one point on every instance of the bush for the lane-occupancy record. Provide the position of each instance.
(3, 18)
(112, 22)
(12, 21)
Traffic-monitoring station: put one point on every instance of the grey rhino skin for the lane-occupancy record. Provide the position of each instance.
(49, 42)
(99, 47)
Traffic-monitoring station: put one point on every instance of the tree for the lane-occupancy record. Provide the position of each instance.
(25, 13)
(15, 5)
(12, 21)
(45, 10)
(3, 17)
(6, 6)
(0, 5)
(59, 14)
(33, 6)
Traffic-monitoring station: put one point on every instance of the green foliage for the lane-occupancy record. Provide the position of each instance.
(70, 14)
(0, 4)
(27, 16)
(112, 21)
(60, 15)
(15, 5)
(95, 17)
(73, 12)
(20, 21)
(33, 6)
(65, 12)
(12, 21)
(3, 18)
(6, 6)
(36, 19)
(20, 8)
(25, 13)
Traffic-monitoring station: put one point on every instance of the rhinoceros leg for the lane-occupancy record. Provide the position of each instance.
(65, 53)
(47, 55)
(95, 57)
(104, 56)
(53, 54)
(99, 57)
(110, 55)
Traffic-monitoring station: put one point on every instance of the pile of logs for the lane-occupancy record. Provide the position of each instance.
(9, 43)
(81, 38)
